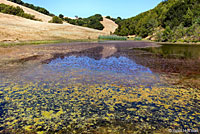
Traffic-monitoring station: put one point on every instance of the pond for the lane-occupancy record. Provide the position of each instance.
(176, 51)
(83, 93)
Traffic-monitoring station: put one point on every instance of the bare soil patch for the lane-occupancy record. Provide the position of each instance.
(109, 25)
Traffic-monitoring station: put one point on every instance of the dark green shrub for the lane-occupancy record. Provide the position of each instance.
(116, 20)
(108, 17)
(15, 11)
(61, 16)
(91, 22)
(56, 19)
(28, 16)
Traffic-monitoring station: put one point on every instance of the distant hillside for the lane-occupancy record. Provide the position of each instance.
(7, 9)
(96, 22)
(91, 22)
(31, 6)
(38, 15)
(171, 20)
(109, 25)
(14, 28)
(116, 20)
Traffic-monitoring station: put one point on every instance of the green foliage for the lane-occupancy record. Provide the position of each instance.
(193, 33)
(108, 17)
(180, 34)
(56, 19)
(37, 8)
(116, 20)
(111, 37)
(169, 15)
(137, 38)
(197, 21)
(146, 25)
(15, 11)
(61, 16)
(167, 33)
(91, 22)
(130, 26)
(188, 18)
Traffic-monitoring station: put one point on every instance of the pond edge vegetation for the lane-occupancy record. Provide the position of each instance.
(111, 37)
(40, 42)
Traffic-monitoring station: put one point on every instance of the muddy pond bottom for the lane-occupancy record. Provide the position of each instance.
(78, 94)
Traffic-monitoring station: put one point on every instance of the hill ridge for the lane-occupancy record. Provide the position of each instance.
(166, 21)
(38, 15)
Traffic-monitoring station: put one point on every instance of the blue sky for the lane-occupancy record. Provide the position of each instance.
(85, 8)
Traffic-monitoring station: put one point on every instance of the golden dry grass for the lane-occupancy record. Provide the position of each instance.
(109, 25)
(13, 28)
(44, 18)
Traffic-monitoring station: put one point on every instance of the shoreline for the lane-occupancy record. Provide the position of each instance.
(46, 42)
(20, 54)
(25, 56)
(178, 43)
(43, 42)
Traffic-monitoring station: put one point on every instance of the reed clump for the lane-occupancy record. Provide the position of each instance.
(111, 37)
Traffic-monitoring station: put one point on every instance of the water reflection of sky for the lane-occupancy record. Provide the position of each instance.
(73, 69)
(113, 69)
(113, 64)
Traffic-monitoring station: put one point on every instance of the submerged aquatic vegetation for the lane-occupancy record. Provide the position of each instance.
(35, 107)
(83, 95)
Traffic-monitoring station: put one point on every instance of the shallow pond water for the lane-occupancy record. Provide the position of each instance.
(81, 94)
(176, 51)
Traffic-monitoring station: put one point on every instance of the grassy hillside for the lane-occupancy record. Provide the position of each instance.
(14, 28)
(171, 20)
(116, 20)
(15, 11)
(38, 15)
(36, 8)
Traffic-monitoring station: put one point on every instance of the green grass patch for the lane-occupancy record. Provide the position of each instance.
(39, 42)
(111, 37)
(138, 38)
